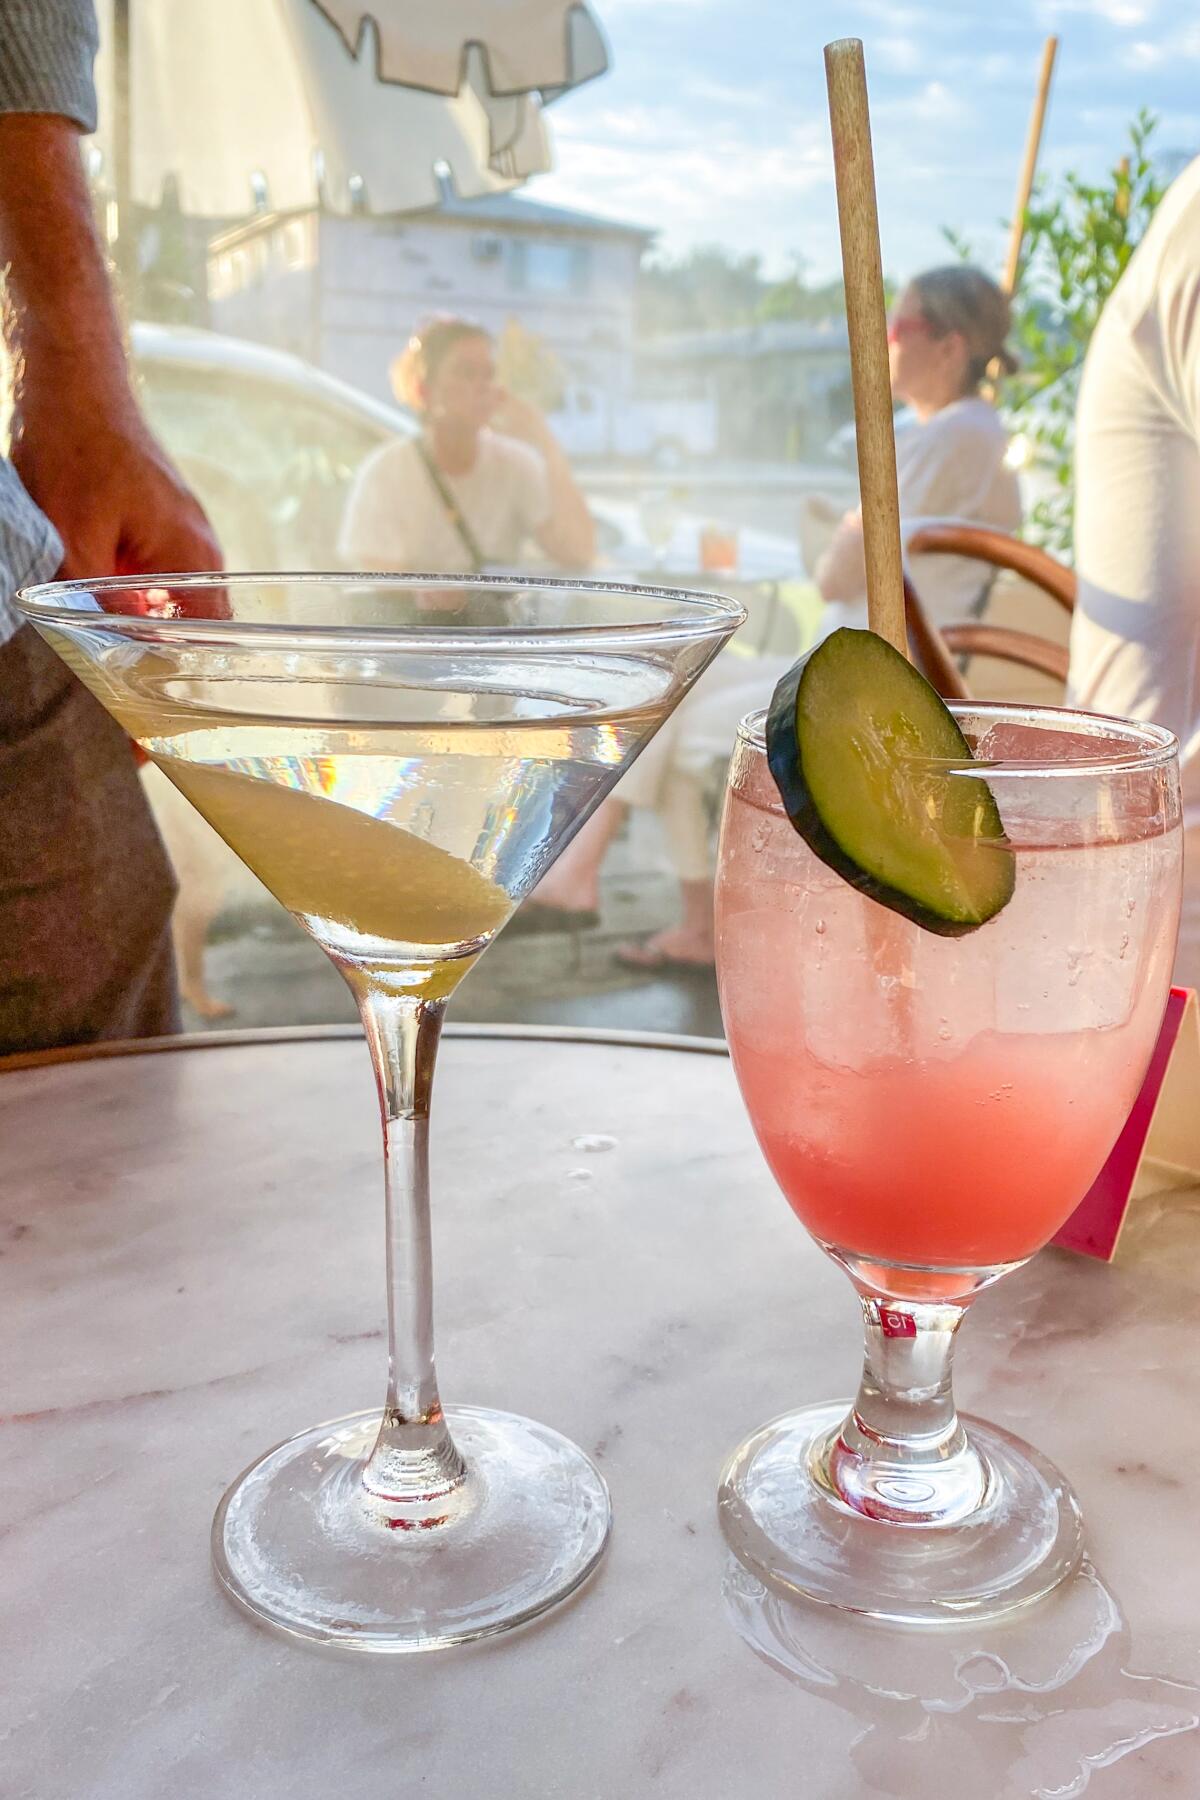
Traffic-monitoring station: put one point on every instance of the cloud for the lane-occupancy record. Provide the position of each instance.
(1161, 52)
(693, 177)
(994, 65)
(712, 125)
(933, 104)
(1125, 13)
(900, 18)
(901, 54)
(630, 9)
(722, 93)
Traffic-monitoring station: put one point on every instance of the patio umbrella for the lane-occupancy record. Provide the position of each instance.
(245, 105)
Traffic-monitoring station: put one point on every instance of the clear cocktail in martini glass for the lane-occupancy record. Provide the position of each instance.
(400, 785)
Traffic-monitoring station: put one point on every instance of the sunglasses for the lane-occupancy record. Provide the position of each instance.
(908, 325)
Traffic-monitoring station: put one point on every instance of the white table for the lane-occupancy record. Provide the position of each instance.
(191, 1270)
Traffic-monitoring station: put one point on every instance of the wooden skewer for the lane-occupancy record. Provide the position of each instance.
(1033, 143)
(866, 320)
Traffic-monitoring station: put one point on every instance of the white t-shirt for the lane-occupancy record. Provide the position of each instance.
(395, 518)
(951, 466)
(1135, 634)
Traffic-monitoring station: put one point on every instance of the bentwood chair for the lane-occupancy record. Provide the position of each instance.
(945, 656)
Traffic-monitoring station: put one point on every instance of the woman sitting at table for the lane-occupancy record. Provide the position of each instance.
(484, 476)
(947, 328)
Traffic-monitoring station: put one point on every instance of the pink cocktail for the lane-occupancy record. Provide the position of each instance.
(934, 1108)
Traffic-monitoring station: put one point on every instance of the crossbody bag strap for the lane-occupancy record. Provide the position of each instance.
(453, 511)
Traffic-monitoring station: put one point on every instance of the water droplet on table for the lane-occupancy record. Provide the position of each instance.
(592, 1142)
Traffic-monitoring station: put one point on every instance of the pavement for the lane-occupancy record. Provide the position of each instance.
(262, 964)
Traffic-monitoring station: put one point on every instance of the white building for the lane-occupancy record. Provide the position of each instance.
(346, 293)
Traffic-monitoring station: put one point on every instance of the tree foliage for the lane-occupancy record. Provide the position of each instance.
(1079, 238)
(713, 288)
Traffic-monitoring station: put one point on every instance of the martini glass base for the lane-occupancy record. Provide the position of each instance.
(1023, 1539)
(300, 1544)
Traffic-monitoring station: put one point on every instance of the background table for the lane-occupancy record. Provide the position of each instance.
(191, 1269)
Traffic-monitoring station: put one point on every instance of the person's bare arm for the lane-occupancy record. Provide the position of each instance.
(569, 534)
(80, 443)
(841, 573)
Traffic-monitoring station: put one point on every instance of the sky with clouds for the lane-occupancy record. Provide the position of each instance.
(711, 124)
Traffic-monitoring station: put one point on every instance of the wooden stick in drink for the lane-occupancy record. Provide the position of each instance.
(862, 268)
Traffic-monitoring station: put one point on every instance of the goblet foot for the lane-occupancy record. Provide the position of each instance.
(784, 1521)
(299, 1542)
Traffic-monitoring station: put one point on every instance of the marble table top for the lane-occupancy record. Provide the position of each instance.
(191, 1269)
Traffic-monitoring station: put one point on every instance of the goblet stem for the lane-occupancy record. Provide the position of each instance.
(902, 1454)
(414, 1462)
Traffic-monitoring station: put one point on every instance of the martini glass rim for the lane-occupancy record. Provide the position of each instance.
(698, 613)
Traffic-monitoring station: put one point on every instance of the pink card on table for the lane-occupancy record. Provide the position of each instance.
(1159, 1146)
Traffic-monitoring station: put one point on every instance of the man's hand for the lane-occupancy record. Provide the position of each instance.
(113, 495)
(79, 441)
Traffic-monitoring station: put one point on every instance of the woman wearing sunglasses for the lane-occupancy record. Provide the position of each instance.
(945, 331)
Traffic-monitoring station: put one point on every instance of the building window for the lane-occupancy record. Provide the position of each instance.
(540, 266)
(298, 244)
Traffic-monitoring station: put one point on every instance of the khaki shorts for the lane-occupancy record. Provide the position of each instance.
(86, 889)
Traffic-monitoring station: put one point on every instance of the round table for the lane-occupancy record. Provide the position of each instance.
(191, 1269)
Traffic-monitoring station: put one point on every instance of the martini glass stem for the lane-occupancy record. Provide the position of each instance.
(414, 1462)
(902, 1454)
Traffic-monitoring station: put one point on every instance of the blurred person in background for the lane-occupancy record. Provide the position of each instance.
(85, 886)
(945, 331)
(485, 476)
(1135, 631)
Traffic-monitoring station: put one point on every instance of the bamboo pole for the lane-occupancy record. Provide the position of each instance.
(866, 320)
(1033, 144)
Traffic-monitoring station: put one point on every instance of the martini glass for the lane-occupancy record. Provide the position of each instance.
(934, 1108)
(400, 785)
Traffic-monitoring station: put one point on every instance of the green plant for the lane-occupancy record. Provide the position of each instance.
(713, 288)
(1079, 236)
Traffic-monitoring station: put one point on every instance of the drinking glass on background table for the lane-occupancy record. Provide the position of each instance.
(658, 516)
(399, 783)
(934, 1108)
(718, 550)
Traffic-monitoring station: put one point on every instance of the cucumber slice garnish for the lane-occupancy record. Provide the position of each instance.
(855, 737)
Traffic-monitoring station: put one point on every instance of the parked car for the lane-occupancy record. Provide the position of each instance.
(270, 444)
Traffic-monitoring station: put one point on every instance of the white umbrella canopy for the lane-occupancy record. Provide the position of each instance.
(253, 104)
(525, 45)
